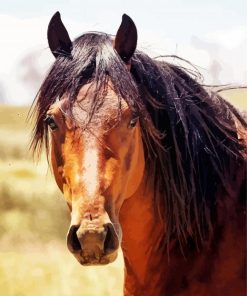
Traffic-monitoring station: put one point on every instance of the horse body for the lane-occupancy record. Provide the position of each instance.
(147, 158)
(218, 268)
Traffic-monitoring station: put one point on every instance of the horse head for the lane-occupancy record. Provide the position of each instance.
(96, 152)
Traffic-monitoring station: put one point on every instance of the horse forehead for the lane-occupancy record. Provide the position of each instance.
(111, 99)
(109, 106)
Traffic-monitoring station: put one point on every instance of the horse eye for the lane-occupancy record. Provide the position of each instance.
(49, 120)
(133, 122)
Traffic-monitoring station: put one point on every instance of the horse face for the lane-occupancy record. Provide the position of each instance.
(97, 166)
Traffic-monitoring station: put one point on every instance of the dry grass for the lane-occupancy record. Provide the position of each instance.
(238, 97)
(53, 271)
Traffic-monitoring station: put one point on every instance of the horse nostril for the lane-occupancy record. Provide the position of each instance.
(72, 239)
(111, 242)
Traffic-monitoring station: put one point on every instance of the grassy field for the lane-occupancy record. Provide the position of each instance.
(238, 97)
(34, 220)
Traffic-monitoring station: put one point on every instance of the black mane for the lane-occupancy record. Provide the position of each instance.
(189, 134)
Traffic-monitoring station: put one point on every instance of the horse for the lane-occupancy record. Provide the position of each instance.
(147, 159)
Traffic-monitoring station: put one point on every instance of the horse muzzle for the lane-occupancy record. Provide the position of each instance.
(93, 245)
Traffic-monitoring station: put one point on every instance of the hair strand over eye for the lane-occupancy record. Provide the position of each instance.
(133, 122)
(49, 120)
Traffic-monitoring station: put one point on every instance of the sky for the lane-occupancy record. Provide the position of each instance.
(211, 34)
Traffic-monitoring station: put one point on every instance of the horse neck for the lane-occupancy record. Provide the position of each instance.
(143, 235)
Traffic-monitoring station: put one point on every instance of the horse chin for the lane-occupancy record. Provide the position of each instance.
(92, 260)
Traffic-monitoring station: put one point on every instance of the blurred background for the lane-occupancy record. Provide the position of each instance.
(34, 220)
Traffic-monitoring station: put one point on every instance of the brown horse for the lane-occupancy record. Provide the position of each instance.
(145, 158)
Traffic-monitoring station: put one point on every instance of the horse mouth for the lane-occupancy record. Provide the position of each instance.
(93, 247)
(95, 259)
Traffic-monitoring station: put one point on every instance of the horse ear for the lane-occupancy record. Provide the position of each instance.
(126, 39)
(58, 37)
